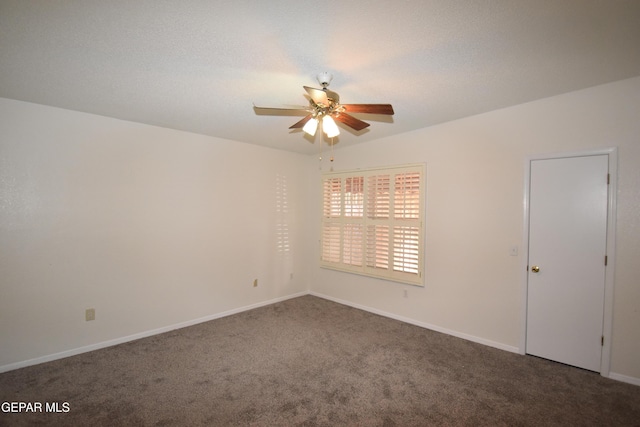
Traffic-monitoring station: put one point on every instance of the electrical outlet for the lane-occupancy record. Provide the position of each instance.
(406, 293)
(255, 283)
(90, 314)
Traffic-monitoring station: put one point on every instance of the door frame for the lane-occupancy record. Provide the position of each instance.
(607, 324)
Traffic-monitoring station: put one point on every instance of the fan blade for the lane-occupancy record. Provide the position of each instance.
(318, 95)
(332, 95)
(369, 108)
(294, 110)
(301, 123)
(351, 121)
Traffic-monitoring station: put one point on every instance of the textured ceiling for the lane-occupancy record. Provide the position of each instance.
(199, 65)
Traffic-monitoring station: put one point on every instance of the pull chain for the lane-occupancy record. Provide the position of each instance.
(331, 155)
(331, 150)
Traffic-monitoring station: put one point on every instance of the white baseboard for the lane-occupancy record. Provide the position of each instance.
(512, 349)
(624, 378)
(109, 343)
(467, 337)
(116, 341)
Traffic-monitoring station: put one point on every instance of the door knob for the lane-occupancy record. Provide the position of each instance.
(535, 268)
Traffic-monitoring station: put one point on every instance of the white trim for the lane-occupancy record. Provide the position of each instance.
(525, 258)
(624, 378)
(429, 326)
(609, 284)
(374, 169)
(607, 327)
(116, 341)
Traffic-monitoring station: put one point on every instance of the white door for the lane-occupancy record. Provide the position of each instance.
(567, 248)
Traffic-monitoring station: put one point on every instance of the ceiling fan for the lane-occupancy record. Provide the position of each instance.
(324, 107)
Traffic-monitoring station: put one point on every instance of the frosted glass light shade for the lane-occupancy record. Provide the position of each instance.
(329, 127)
(311, 126)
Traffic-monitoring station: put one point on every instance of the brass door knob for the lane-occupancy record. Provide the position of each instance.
(535, 268)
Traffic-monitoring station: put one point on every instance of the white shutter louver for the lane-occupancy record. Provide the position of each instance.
(354, 196)
(331, 243)
(378, 196)
(332, 198)
(378, 246)
(352, 244)
(407, 196)
(405, 249)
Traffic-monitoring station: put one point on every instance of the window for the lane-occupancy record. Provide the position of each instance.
(372, 222)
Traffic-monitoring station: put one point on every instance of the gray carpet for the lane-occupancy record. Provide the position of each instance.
(308, 361)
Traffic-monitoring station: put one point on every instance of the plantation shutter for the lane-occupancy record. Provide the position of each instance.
(406, 237)
(372, 222)
(331, 212)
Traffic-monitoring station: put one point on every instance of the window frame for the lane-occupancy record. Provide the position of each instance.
(384, 212)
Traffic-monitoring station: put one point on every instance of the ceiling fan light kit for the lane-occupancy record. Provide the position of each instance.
(324, 106)
(311, 127)
(329, 127)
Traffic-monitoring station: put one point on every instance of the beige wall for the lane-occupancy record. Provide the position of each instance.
(475, 180)
(154, 227)
(151, 227)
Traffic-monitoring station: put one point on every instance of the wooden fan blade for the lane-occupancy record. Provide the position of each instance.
(351, 121)
(369, 108)
(301, 123)
(318, 95)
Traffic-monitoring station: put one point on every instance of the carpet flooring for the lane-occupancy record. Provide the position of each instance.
(312, 362)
